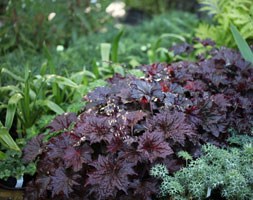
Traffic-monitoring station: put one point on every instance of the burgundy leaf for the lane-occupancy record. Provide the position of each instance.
(221, 101)
(154, 70)
(33, 148)
(134, 116)
(115, 145)
(207, 42)
(213, 118)
(131, 154)
(31, 191)
(75, 157)
(182, 48)
(46, 165)
(62, 122)
(98, 96)
(170, 99)
(97, 128)
(110, 176)
(145, 189)
(173, 125)
(152, 146)
(42, 183)
(195, 85)
(61, 183)
(143, 89)
(193, 114)
(58, 144)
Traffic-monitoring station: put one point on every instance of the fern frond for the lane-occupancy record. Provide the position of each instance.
(225, 12)
(205, 31)
(212, 7)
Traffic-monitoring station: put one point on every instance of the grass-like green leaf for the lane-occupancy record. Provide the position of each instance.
(11, 88)
(14, 76)
(6, 139)
(53, 106)
(11, 109)
(60, 80)
(242, 44)
(2, 155)
(105, 53)
(115, 46)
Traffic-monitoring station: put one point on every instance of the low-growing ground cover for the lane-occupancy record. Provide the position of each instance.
(132, 124)
(178, 113)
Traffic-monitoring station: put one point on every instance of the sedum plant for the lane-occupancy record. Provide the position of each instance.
(225, 12)
(218, 173)
(129, 125)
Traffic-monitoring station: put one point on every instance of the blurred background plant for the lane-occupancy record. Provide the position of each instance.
(221, 14)
(161, 6)
(30, 24)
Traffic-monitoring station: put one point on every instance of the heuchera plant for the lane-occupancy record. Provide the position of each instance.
(133, 123)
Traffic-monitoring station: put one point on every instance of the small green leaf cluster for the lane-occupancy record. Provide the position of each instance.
(239, 140)
(228, 173)
(12, 166)
(223, 13)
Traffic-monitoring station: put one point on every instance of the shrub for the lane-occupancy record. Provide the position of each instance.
(219, 172)
(133, 123)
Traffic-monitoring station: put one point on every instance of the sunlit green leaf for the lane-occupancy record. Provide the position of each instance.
(115, 46)
(11, 109)
(242, 44)
(2, 155)
(105, 53)
(53, 106)
(60, 80)
(14, 76)
(10, 88)
(6, 139)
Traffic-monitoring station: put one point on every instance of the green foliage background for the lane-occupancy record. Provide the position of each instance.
(223, 13)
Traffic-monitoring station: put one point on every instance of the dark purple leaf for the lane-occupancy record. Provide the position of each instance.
(33, 148)
(57, 145)
(61, 183)
(173, 125)
(152, 145)
(134, 116)
(182, 48)
(143, 89)
(98, 96)
(207, 42)
(154, 70)
(75, 157)
(195, 85)
(169, 99)
(31, 191)
(131, 154)
(97, 128)
(110, 175)
(115, 145)
(62, 122)
(145, 189)
(42, 183)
